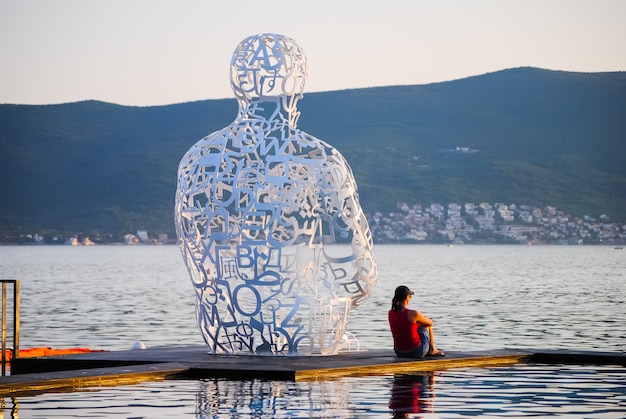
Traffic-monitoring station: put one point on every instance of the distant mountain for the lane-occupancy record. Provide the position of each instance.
(525, 136)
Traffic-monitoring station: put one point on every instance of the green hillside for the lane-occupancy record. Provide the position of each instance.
(525, 136)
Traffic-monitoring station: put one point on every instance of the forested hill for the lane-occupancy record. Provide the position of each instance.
(525, 136)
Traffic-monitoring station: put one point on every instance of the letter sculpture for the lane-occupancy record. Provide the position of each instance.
(259, 205)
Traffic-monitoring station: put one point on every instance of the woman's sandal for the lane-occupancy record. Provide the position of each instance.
(438, 353)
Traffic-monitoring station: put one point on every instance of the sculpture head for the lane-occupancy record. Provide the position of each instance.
(267, 65)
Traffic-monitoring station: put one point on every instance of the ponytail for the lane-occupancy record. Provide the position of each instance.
(395, 304)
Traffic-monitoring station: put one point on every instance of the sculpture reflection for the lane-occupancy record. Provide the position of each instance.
(272, 399)
(258, 206)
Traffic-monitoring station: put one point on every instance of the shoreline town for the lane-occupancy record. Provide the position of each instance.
(453, 223)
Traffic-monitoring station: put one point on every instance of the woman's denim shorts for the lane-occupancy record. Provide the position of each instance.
(420, 351)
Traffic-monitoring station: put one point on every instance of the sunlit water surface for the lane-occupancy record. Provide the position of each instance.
(481, 297)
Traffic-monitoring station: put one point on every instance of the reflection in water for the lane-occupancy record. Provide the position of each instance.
(412, 393)
(524, 390)
(218, 397)
(14, 408)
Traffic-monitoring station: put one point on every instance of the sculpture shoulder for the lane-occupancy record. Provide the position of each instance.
(325, 149)
(216, 140)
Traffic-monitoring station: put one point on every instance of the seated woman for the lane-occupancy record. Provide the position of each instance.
(412, 332)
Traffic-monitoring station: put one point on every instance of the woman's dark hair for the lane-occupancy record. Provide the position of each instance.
(399, 296)
(395, 304)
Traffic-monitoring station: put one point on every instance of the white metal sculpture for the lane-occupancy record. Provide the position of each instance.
(259, 205)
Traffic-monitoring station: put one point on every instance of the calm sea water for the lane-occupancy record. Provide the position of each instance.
(481, 297)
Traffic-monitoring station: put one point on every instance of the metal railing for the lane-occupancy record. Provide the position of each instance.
(16, 320)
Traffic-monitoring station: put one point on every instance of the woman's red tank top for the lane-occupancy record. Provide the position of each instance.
(405, 336)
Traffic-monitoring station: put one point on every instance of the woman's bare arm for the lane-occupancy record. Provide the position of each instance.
(421, 319)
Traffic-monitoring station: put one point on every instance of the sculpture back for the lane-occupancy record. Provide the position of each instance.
(260, 208)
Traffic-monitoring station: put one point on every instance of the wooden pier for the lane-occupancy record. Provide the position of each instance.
(68, 372)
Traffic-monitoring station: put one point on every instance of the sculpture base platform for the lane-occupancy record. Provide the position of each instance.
(68, 372)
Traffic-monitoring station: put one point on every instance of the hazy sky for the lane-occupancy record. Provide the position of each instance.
(154, 52)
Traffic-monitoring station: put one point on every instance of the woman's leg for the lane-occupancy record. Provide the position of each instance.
(432, 349)
(431, 334)
(425, 345)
